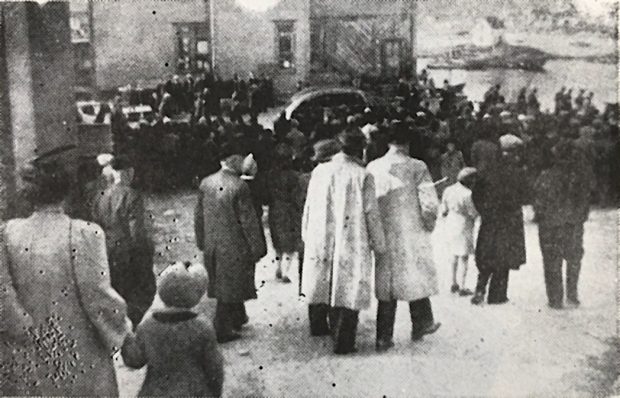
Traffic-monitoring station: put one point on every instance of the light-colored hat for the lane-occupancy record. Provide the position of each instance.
(367, 110)
(324, 150)
(182, 285)
(105, 159)
(505, 114)
(466, 172)
(249, 167)
(509, 142)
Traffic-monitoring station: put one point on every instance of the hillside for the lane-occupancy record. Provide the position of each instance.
(569, 16)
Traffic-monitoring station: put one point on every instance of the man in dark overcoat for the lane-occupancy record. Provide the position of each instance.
(228, 232)
(499, 196)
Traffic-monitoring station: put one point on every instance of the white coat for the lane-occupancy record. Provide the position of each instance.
(340, 229)
(406, 270)
(458, 208)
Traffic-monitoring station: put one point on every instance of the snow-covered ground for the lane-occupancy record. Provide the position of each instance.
(518, 349)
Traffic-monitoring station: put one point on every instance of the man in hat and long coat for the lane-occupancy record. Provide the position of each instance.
(228, 233)
(341, 228)
(499, 196)
(406, 271)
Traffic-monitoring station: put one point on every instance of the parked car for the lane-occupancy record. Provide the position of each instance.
(313, 98)
(138, 113)
(87, 112)
(331, 97)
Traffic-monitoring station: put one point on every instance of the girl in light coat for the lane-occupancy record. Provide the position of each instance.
(460, 214)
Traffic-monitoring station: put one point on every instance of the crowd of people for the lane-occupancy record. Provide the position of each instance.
(350, 191)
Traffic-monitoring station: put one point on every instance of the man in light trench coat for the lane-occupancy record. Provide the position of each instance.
(229, 234)
(340, 229)
(405, 271)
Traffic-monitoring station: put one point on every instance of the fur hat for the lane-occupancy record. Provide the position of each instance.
(182, 285)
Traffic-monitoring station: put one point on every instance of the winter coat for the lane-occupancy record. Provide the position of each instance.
(180, 351)
(130, 249)
(484, 155)
(341, 227)
(553, 205)
(499, 196)
(54, 276)
(228, 232)
(284, 212)
(405, 271)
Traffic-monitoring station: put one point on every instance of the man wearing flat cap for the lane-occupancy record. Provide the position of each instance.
(229, 234)
(341, 228)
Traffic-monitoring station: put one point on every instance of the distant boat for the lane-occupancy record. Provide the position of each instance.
(502, 56)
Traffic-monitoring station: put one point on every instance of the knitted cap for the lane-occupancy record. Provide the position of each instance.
(182, 284)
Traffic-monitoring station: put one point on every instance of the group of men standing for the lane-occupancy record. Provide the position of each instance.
(359, 217)
(354, 218)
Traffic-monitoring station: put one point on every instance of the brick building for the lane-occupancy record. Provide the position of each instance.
(289, 40)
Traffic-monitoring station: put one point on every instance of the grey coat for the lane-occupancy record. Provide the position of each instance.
(229, 234)
(55, 281)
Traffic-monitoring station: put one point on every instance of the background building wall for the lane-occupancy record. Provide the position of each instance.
(340, 8)
(135, 41)
(245, 41)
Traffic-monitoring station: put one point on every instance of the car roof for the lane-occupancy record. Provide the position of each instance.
(310, 92)
(313, 92)
(138, 108)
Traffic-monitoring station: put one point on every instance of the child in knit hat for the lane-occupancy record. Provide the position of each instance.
(178, 346)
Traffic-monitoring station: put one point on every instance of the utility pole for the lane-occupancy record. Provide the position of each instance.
(413, 9)
(212, 39)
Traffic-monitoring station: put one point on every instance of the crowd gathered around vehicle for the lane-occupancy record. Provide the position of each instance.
(352, 191)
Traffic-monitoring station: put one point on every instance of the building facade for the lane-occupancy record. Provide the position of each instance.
(140, 43)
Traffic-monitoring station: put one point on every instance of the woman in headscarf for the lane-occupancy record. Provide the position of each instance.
(61, 318)
(284, 211)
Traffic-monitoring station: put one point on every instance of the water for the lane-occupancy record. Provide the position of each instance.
(601, 79)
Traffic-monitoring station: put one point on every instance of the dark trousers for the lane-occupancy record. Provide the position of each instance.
(229, 317)
(340, 322)
(557, 244)
(421, 313)
(498, 286)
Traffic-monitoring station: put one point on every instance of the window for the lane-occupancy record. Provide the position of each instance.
(193, 47)
(285, 44)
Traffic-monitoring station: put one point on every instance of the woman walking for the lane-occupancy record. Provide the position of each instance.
(284, 211)
(61, 319)
(561, 201)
